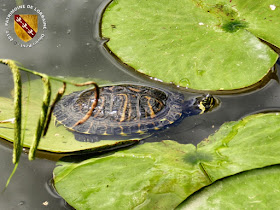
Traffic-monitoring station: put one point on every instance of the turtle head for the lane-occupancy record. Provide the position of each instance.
(206, 103)
(199, 105)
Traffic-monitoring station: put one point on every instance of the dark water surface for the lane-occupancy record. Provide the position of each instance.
(72, 48)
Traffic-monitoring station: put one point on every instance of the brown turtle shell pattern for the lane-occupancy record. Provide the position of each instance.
(121, 110)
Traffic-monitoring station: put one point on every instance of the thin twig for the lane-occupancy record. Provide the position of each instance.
(94, 103)
(42, 75)
(45, 75)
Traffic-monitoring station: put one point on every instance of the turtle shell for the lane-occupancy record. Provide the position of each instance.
(121, 110)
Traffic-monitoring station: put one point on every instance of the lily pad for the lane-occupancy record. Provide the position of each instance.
(162, 175)
(203, 45)
(58, 139)
(255, 189)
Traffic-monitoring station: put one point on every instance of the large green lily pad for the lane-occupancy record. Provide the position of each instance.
(203, 45)
(162, 175)
(255, 189)
(58, 139)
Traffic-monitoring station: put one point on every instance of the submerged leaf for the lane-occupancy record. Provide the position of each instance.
(162, 175)
(58, 138)
(204, 45)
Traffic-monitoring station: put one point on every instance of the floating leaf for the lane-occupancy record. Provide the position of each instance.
(255, 189)
(151, 175)
(252, 142)
(162, 175)
(203, 45)
(58, 139)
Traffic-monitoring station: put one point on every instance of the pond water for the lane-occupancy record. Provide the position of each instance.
(72, 47)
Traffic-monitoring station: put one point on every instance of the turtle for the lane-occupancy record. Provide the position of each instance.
(126, 111)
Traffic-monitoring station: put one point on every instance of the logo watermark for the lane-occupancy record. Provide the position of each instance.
(25, 26)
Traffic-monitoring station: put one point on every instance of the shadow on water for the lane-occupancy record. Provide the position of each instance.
(72, 47)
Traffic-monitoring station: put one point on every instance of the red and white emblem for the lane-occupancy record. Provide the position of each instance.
(26, 26)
